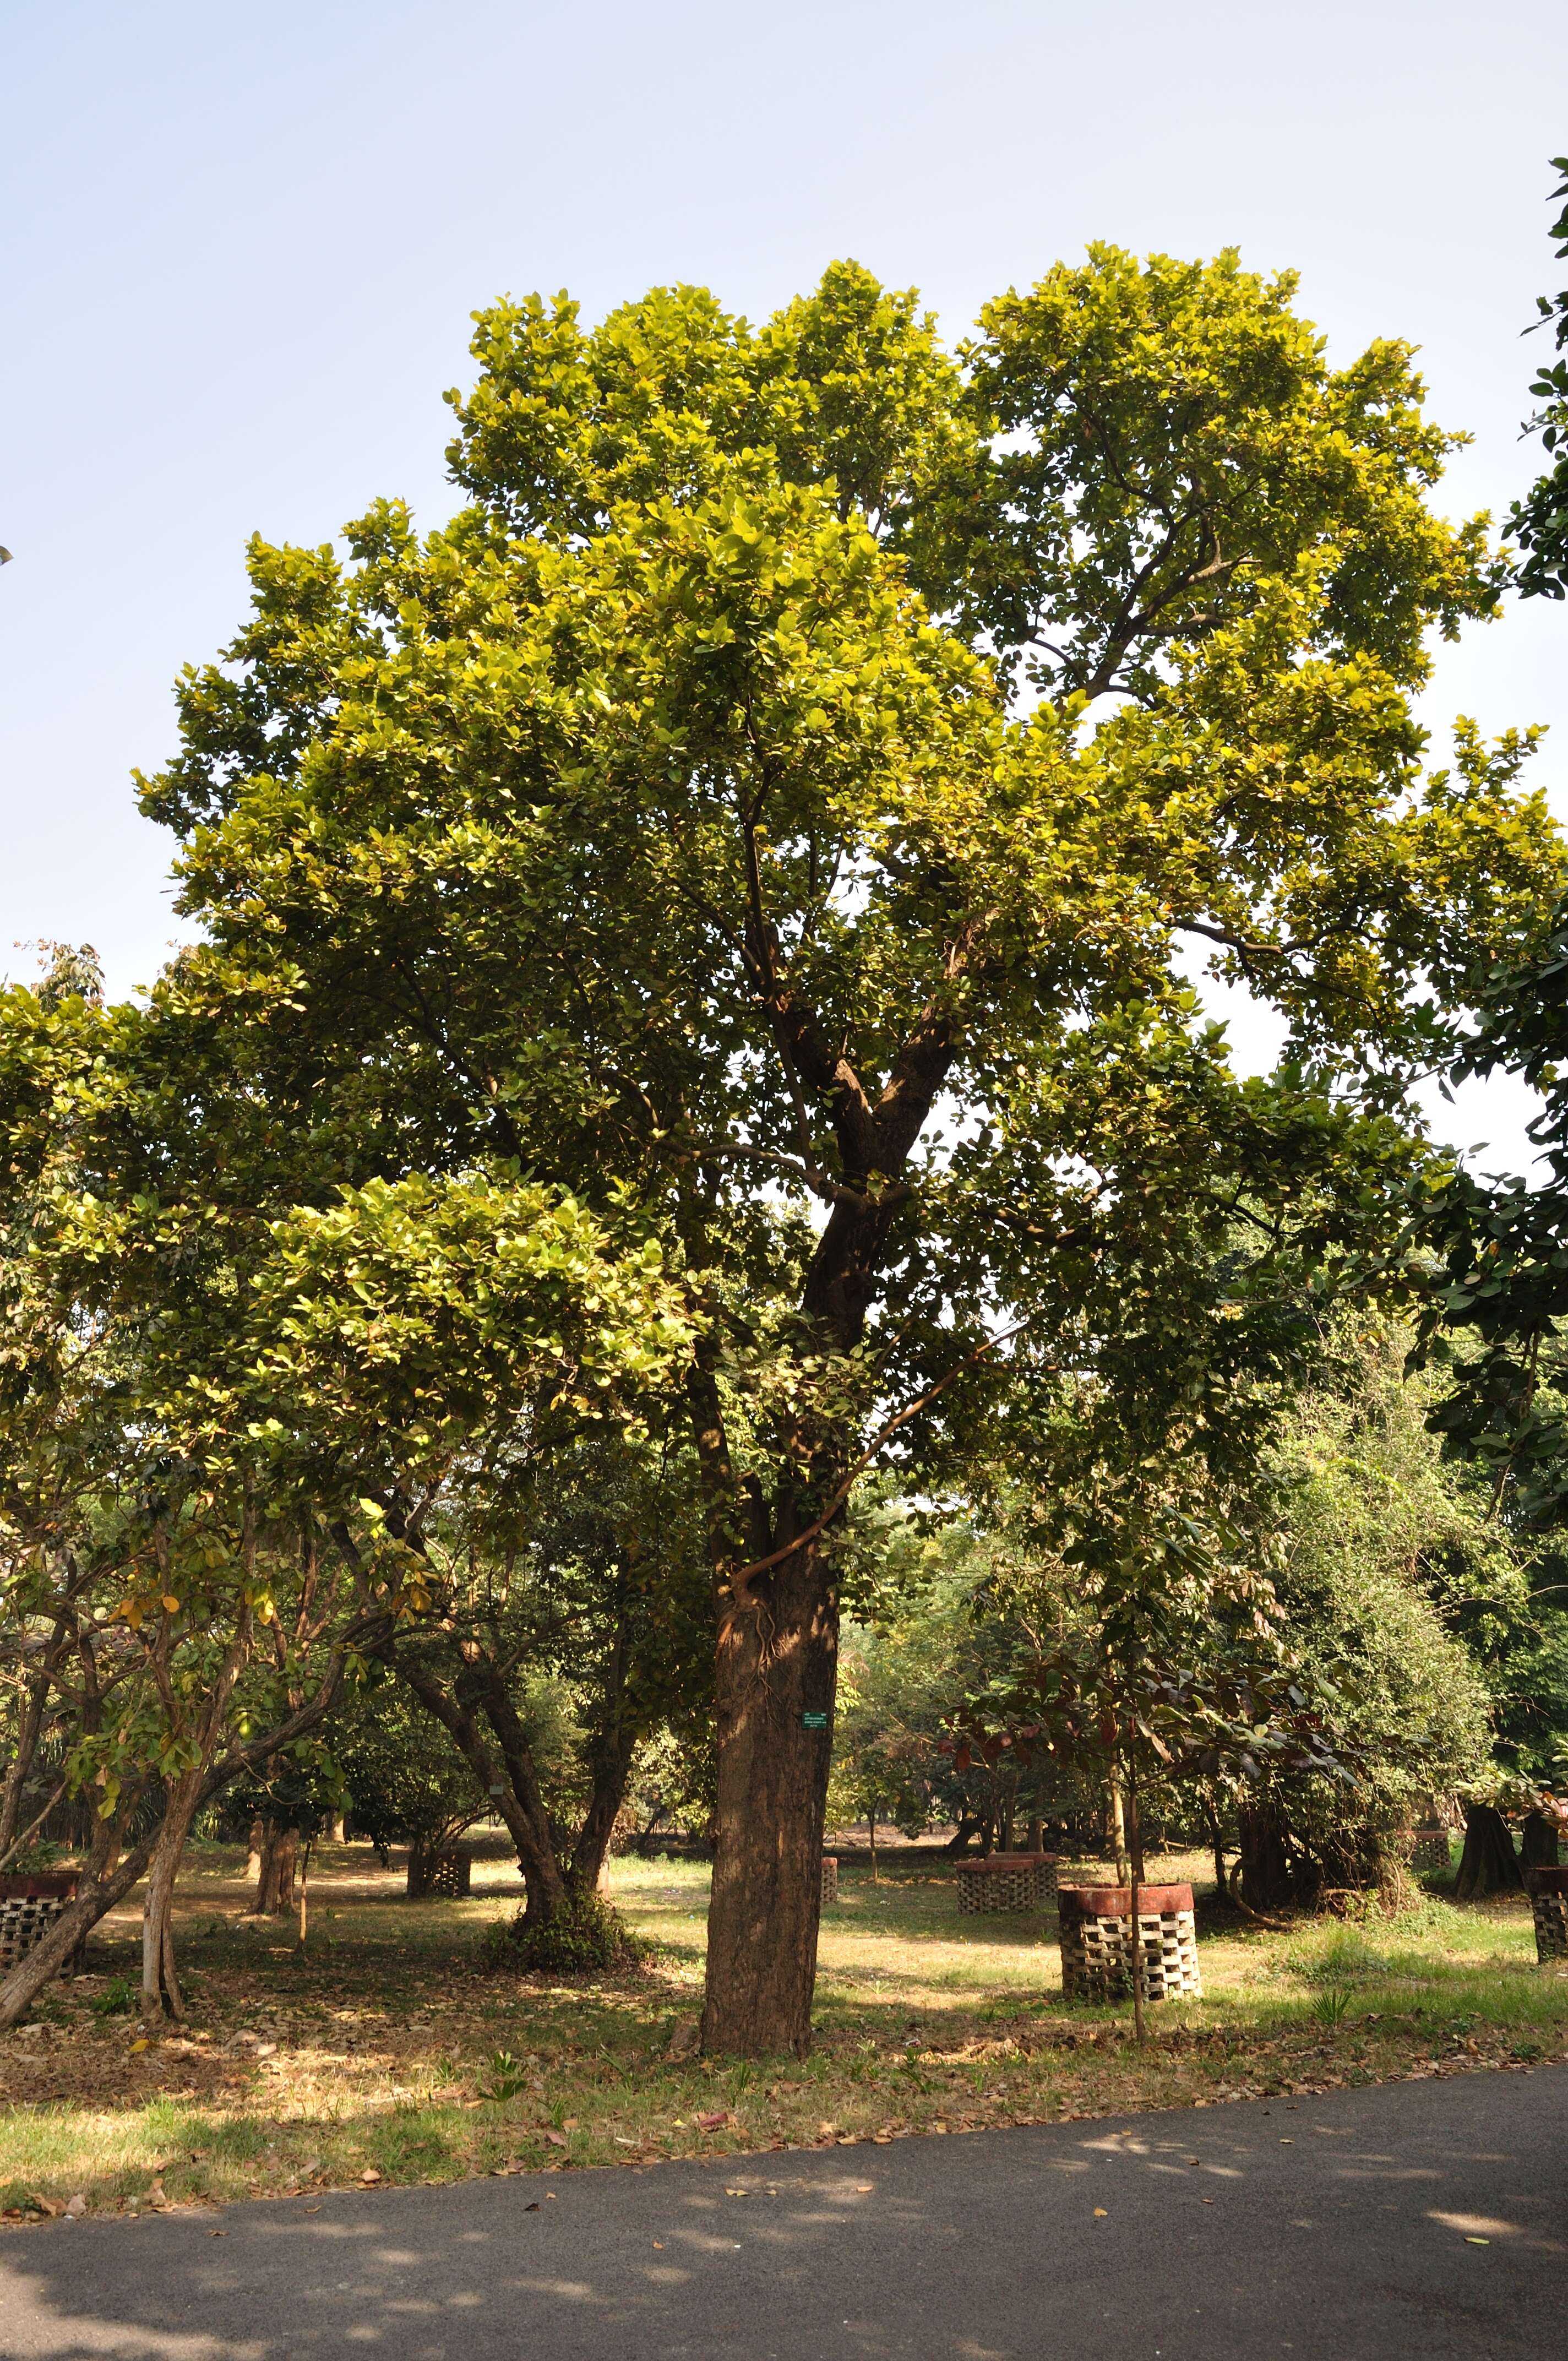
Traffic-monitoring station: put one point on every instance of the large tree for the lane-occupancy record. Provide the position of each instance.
(804, 766)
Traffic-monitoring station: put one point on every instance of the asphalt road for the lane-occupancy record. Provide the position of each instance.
(1337, 2227)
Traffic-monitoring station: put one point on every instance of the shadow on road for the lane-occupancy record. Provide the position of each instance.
(1416, 2219)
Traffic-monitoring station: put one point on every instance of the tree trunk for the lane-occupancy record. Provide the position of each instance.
(106, 1882)
(29, 1728)
(275, 1880)
(513, 1782)
(159, 1984)
(1538, 1842)
(1488, 1864)
(1135, 1882)
(418, 1868)
(1118, 1830)
(258, 1838)
(1216, 1837)
(776, 1667)
(1265, 1880)
(957, 1846)
(611, 1768)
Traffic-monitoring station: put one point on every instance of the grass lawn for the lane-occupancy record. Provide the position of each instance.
(388, 2052)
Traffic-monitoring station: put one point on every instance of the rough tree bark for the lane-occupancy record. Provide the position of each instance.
(776, 1646)
(275, 1871)
(775, 1676)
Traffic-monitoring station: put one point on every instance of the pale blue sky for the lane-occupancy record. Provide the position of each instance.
(240, 247)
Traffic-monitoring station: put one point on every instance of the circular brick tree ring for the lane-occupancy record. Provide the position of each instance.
(830, 1878)
(1007, 1880)
(1098, 1944)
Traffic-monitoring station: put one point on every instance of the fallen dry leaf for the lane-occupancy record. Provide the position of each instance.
(712, 2123)
(1100, 2214)
(556, 2139)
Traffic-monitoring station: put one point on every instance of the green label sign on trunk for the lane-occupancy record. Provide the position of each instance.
(814, 1721)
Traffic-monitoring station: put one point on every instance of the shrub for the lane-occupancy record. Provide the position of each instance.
(586, 1939)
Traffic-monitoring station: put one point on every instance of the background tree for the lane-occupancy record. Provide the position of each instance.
(257, 1404)
(1400, 1604)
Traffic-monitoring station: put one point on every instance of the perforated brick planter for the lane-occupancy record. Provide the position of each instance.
(452, 1873)
(1429, 1850)
(1097, 1945)
(830, 1878)
(1007, 1880)
(1549, 1901)
(28, 1908)
(442, 1876)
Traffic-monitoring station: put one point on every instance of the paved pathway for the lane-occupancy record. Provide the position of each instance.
(1338, 2228)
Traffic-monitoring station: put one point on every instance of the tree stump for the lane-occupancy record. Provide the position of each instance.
(1488, 1864)
(1098, 1950)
